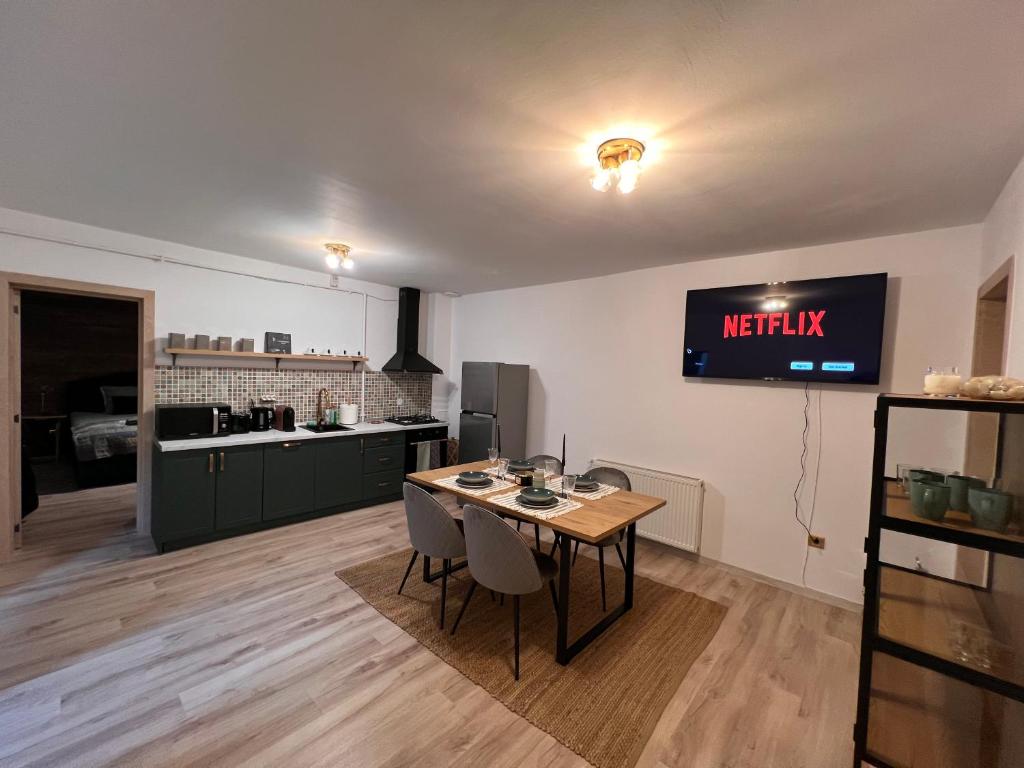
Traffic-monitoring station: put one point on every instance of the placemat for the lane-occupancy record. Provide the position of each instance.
(497, 485)
(508, 500)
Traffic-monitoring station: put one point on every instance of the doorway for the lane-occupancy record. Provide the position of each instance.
(50, 401)
(991, 329)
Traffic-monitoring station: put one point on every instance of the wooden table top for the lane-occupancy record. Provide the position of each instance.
(594, 521)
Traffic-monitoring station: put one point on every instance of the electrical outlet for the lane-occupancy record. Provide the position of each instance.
(818, 542)
(334, 281)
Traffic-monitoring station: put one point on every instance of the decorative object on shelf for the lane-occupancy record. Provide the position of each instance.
(247, 345)
(338, 256)
(176, 340)
(942, 382)
(990, 509)
(278, 343)
(202, 341)
(224, 343)
(929, 499)
(993, 387)
(618, 165)
(959, 485)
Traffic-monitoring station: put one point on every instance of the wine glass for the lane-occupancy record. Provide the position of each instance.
(492, 456)
(503, 466)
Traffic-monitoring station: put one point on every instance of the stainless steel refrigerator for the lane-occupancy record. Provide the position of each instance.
(493, 395)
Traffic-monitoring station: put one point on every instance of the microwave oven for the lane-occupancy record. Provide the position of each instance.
(189, 420)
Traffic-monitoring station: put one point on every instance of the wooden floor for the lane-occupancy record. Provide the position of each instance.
(250, 652)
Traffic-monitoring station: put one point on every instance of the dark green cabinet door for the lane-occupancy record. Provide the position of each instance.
(184, 486)
(239, 486)
(289, 479)
(339, 472)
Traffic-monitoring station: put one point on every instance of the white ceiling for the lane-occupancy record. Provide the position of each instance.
(441, 139)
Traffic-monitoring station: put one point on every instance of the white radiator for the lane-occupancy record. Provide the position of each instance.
(678, 522)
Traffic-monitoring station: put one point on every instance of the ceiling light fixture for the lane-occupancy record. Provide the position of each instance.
(338, 256)
(618, 165)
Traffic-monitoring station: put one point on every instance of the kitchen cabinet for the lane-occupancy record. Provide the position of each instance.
(289, 479)
(211, 493)
(339, 477)
(383, 459)
(184, 495)
(239, 486)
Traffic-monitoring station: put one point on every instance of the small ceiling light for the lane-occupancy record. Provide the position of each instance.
(772, 303)
(618, 165)
(338, 255)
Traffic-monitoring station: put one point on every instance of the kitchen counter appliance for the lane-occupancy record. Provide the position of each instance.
(192, 420)
(425, 447)
(284, 418)
(262, 418)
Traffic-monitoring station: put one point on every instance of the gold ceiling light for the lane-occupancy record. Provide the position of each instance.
(338, 256)
(618, 165)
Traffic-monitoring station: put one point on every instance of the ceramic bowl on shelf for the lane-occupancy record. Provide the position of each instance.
(929, 499)
(990, 509)
(959, 485)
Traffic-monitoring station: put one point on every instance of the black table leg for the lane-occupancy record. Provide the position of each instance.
(564, 574)
(564, 652)
(630, 564)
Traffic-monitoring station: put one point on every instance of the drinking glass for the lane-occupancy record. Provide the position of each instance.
(550, 467)
(503, 466)
(492, 456)
(568, 485)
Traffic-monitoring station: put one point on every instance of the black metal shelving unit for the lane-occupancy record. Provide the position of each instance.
(915, 690)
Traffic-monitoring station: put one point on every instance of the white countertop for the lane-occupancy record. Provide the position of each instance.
(274, 436)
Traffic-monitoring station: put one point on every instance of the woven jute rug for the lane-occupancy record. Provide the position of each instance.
(605, 704)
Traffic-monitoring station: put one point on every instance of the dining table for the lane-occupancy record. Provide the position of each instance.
(593, 521)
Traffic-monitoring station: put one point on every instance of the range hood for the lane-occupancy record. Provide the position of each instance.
(408, 358)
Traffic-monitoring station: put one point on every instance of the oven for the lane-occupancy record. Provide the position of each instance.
(426, 448)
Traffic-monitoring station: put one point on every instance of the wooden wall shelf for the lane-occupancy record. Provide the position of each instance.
(175, 352)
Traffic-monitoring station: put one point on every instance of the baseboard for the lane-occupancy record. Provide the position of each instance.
(796, 589)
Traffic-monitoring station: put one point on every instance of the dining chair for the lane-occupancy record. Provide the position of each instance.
(538, 461)
(433, 532)
(618, 478)
(501, 561)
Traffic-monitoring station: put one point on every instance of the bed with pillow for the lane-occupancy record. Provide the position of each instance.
(104, 429)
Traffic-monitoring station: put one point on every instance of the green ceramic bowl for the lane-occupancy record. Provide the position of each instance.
(990, 509)
(928, 499)
(474, 478)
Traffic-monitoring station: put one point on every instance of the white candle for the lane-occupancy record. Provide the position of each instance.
(942, 384)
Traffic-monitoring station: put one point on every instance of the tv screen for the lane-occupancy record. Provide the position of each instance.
(827, 330)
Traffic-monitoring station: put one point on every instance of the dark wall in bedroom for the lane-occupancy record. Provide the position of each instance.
(65, 338)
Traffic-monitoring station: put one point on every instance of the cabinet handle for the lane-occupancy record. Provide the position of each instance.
(384, 459)
(222, 461)
(383, 484)
(291, 445)
(210, 465)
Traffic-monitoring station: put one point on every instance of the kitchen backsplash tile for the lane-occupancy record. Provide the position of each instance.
(297, 388)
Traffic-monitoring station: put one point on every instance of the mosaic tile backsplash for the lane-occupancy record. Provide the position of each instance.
(297, 388)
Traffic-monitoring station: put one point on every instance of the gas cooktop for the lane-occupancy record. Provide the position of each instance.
(408, 421)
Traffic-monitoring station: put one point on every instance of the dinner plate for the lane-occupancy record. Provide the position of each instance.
(586, 485)
(460, 482)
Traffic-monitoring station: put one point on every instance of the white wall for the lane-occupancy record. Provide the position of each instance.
(1004, 238)
(606, 355)
(190, 300)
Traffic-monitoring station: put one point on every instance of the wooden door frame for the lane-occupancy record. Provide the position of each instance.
(10, 405)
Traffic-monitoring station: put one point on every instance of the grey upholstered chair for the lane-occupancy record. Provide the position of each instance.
(618, 478)
(433, 532)
(501, 561)
(538, 461)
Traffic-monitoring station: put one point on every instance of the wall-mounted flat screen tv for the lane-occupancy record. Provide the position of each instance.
(827, 330)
